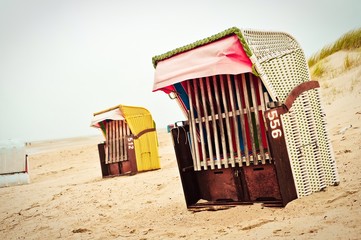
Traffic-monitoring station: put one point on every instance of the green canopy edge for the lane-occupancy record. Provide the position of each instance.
(215, 37)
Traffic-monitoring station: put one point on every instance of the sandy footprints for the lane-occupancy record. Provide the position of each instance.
(61, 193)
(41, 174)
(26, 213)
(105, 206)
(255, 223)
(342, 195)
(15, 219)
(160, 186)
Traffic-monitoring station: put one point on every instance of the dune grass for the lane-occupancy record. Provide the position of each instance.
(350, 40)
(318, 70)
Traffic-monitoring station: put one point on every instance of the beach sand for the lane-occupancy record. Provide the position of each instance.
(67, 197)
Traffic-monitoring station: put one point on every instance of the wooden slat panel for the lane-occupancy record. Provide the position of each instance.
(200, 127)
(217, 121)
(214, 123)
(195, 150)
(228, 127)
(234, 117)
(114, 148)
(117, 140)
(258, 128)
(249, 118)
(263, 106)
(220, 120)
(107, 152)
(206, 115)
(238, 85)
(122, 141)
(111, 144)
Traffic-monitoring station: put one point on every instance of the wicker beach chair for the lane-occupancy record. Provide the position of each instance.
(131, 143)
(255, 130)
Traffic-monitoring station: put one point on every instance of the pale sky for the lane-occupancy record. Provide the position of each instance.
(63, 60)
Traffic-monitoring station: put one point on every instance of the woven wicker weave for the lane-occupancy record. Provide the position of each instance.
(281, 64)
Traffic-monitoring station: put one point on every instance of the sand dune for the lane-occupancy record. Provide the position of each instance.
(68, 199)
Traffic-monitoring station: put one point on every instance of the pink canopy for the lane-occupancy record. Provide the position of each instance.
(224, 56)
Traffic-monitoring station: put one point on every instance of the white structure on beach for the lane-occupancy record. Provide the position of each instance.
(13, 163)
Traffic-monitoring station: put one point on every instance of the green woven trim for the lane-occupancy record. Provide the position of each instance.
(225, 33)
(254, 71)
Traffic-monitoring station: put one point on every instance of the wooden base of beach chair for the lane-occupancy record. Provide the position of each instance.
(128, 167)
(226, 186)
